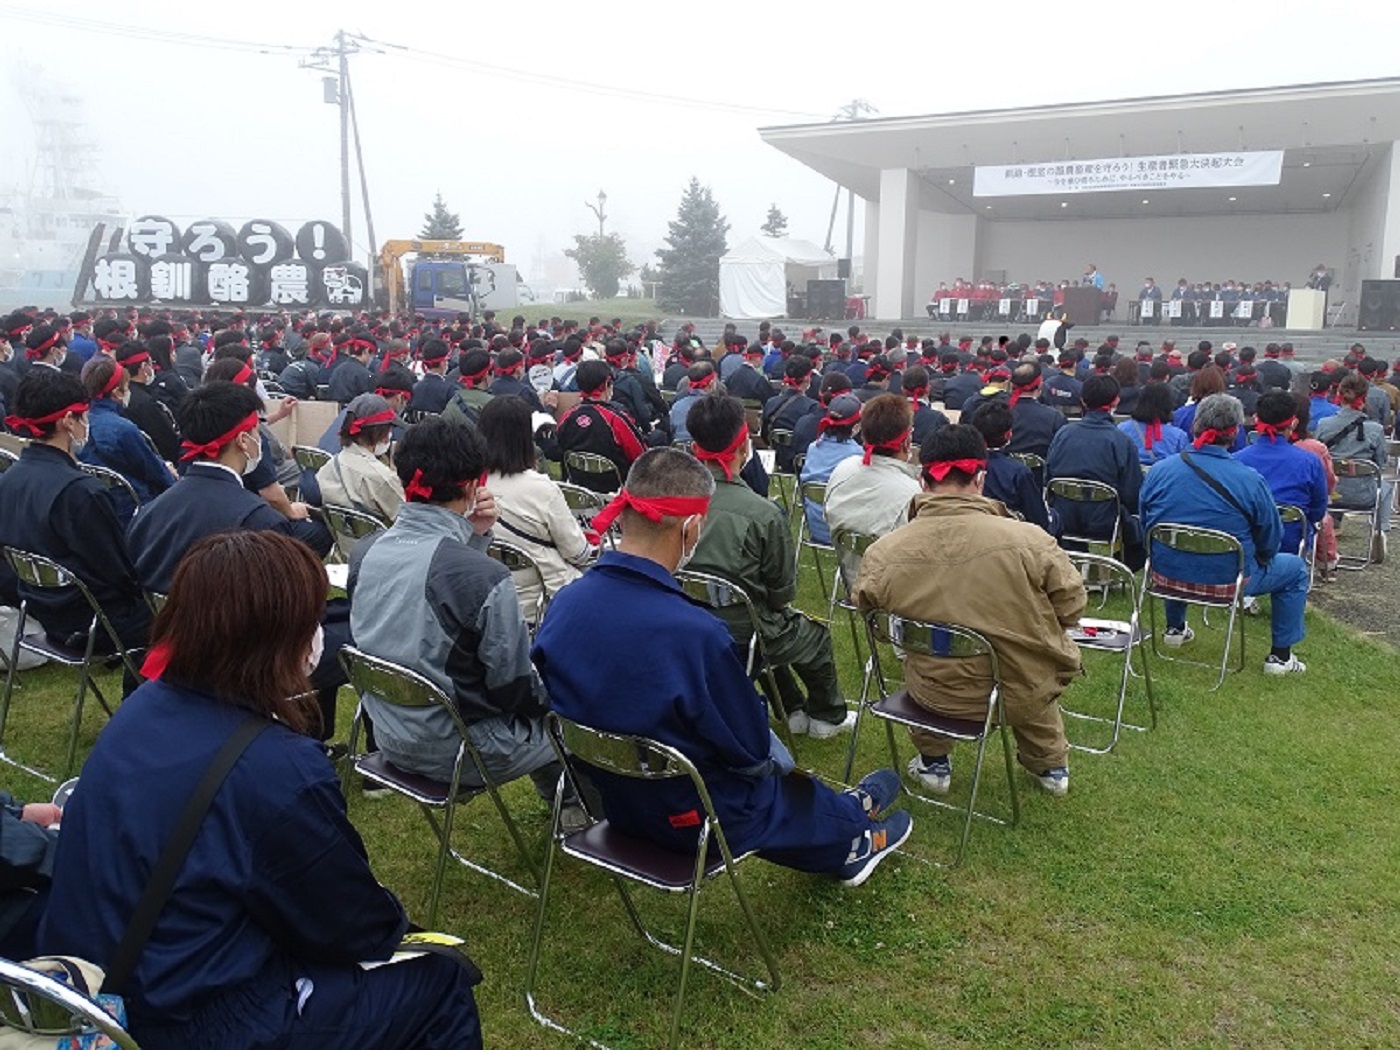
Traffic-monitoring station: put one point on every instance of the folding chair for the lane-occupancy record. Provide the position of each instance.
(721, 594)
(34, 570)
(395, 685)
(628, 859)
(42, 1006)
(116, 484)
(350, 526)
(850, 547)
(816, 492)
(585, 505)
(603, 471)
(687, 447)
(780, 438)
(310, 458)
(1113, 636)
(939, 641)
(415, 415)
(1083, 490)
(1358, 471)
(1292, 515)
(1209, 543)
(1035, 464)
(7, 459)
(522, 564)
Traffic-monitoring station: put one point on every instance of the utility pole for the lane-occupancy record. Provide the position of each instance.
(598, 210)
(335, 60)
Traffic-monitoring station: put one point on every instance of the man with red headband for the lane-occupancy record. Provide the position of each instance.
(142, 407)
(1351, 434)
(1295, 476)
(599, 426)
(702, 379)
(48, 506)
(748, 540)
(351, 377)
(426, 595)
(1020, 591)
(432, 392)
(698, 700)
(1206, 487)
(870, 494)
(747, 382)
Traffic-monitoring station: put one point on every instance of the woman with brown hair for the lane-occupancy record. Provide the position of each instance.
(1209, 380)
(258, 942)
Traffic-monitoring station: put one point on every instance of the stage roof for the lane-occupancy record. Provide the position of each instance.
(1330, 134)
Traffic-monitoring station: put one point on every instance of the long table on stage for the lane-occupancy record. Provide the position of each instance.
(1207, 313)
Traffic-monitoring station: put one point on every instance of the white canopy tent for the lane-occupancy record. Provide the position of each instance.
(754, 276)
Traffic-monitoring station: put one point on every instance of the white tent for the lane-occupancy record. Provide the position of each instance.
(754, 276)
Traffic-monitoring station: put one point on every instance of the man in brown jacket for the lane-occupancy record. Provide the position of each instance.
(1016, 588)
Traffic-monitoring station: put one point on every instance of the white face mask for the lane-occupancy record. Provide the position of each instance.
(253, 461)
(381, 448)
(686, 555)
(318, 648)
(123, 398)
(78, 442)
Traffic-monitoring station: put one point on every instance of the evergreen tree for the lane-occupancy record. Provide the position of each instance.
(441, 224)
(776, 224)
(602, 262)
(690, 265)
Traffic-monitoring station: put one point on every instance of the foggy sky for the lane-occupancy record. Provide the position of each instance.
(191, 132)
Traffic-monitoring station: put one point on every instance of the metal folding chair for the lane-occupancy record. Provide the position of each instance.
(310, 458)
(684, 446)
(523, 566)
(627, 859)
(1210, 543)
(585, 504)
(1035, 464)
(34, 570)
(40, 1005)
(393, 684)
(1083, 490)
(937, 641)
(850, 547)
(816, 492)
(786, 483)
(416, 415)
(721, 595)
(1292, 515)
(7, 459)
(115, 483)
(581, 466)
(1122, 637)
(1357, 472)
(349, 526)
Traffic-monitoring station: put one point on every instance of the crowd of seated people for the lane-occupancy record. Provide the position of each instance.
(248, 630)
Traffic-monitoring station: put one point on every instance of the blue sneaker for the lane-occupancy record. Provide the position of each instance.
(874, 846)
(877, 792)
(936, 774)
(1055, 781)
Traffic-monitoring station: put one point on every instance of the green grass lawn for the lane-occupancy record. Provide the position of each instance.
(1227, 880)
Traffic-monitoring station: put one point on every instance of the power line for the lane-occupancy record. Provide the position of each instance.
(58, 20)
(550, 80)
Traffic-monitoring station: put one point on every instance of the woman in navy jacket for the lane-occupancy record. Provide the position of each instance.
(275, 906)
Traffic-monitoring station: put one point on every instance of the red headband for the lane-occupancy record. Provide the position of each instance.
(895, 444)
(211, 449)
(32, 424)
(916, 395)
(704, 381)
(113, 381)
(795, 384)
(419, 490)
(356, 425)
(1151, 433)
(833, 421)
(244, 374)
(134, 359)
(724, 457)
(1210, 436)
(939, 469)
(1275, 430)
(652, 509)
(387, 392)
(157, 660)
(36, 352)
(470, 378)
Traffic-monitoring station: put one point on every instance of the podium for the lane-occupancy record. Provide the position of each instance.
(1307, 309)
(1082, 305)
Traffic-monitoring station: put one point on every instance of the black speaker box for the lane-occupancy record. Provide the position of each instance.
(1379, 307)
(826, 300)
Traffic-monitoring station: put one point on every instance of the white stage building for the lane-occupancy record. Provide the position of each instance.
(1243, 185)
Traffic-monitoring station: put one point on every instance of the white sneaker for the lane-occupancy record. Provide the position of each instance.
(799, 723)
(1250, 605)
(936, 774)
(1176, 637)
(819, 730)
(1273, 665)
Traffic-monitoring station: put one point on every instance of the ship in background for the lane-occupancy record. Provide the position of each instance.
(48, 216)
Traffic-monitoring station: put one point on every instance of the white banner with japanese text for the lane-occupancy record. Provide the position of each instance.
(1171, 172)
